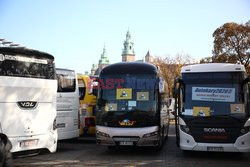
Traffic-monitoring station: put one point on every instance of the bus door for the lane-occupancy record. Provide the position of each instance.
(178, 97)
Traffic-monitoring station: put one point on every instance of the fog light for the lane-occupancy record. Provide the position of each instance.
(150, 134)
(185, 129)
(245, 130)
(99, 133)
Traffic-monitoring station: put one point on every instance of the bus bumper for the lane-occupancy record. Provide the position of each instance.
(242, 144)
(45, 141)
(126, 136)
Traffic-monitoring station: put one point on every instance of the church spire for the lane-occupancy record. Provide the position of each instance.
(104, 54)
(128, 53)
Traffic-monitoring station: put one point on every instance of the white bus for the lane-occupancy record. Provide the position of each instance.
(67, 104)
(213, 112)
(28, 99)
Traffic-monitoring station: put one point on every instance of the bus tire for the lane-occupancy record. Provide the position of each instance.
(8, 160)
(6, 156)
(178, 139)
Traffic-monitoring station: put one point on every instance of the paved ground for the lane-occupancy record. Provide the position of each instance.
(84, 152)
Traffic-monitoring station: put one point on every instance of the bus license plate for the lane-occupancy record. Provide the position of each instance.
(28, 143)
(219, 149)
(126, 143)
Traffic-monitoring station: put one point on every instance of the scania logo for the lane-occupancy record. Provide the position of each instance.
(27, 104)
(214, 130)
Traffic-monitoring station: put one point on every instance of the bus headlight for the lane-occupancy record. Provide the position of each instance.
(150, 134)
(245, 130)
(102, 134)
(185, 129)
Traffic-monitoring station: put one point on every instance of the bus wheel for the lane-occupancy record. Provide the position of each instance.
(160, 143)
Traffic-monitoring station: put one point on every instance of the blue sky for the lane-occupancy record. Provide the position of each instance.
(75, 31)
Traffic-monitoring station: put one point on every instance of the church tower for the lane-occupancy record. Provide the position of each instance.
(149, 58)
(128, 53)
(104, 61)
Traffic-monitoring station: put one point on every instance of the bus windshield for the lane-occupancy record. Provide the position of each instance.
(66, 80)
(208, 94)
(26, 66)
(126, 93)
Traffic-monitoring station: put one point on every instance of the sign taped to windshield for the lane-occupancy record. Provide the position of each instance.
(237, 108)
(124, 93)
(213, 94)
(111, 107)
(201, 111)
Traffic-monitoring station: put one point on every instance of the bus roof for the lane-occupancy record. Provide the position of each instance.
(213, 67)
(25, 51)
(64, 69)
(130, 68)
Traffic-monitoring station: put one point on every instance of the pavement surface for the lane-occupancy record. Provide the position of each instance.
(84, 152)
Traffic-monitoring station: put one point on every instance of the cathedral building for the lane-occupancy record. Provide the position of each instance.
(103, 62)
(128, 55)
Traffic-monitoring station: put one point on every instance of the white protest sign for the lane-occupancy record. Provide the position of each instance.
(213, 94)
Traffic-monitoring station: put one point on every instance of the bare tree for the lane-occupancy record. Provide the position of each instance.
(171, 67)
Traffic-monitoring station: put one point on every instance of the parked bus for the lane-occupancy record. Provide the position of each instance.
(67, 104)
(87, 105)
(213, 109)
(28, 99)
(130, 106)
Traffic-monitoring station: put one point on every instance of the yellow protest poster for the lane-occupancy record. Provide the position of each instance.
(201, 111)
(111, 107)
(124, 93)
(142, 96)
(237, 108)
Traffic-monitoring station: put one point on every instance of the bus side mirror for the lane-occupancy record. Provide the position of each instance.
(176, 89)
